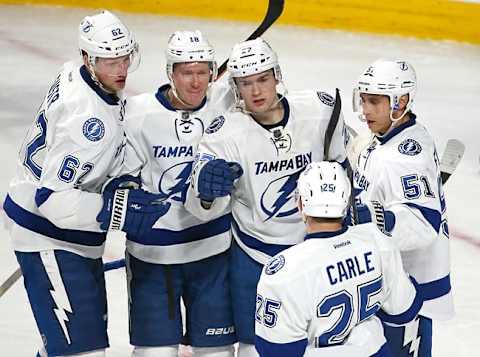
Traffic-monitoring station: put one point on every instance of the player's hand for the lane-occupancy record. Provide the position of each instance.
(133, 211)
(373, 211)
(216, 179)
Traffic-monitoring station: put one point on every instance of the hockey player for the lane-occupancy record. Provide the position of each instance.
(398, 181)
(183, 256)
(339, 278)
(251, 159)
(55, 199)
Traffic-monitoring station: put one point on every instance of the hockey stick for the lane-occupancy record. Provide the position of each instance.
(7, 284)
(332, 124)
(10, 281)
(451, 157)
(274, 10)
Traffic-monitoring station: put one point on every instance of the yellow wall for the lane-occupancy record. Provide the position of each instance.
(434, 19)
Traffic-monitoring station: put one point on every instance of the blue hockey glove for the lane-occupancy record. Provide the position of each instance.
(133, 211)
(373, 212)
(216, 178)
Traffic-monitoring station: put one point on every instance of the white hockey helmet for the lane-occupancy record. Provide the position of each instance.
(253, 57)
(189, 46)
(324, 189)
(103, 35)
(393, 78)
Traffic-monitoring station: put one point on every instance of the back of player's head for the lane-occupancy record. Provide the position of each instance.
(324, 189)
(393, 78)
(189, 46)
(253, 57)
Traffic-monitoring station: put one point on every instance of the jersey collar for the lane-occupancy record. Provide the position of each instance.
(286, 115)
(411, 122)
(326, 234)
(109, 98)
(162, 98)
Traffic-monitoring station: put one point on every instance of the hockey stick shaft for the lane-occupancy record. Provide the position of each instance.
(12, 279)
(274, 10)
(7, 284)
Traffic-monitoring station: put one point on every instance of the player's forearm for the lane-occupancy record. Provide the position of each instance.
(73, 209)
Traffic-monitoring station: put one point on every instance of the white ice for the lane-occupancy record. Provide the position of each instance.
(35, 41)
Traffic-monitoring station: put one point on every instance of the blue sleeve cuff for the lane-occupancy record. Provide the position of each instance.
(270, 349)
(42, 195)
(432, 216)
(409, 314)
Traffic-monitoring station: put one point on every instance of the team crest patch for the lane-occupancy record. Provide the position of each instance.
(326, 99)
(215, 125)
(93, 129)
(410, 147)
(275, 265)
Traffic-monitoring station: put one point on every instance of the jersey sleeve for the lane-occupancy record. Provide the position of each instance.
(213, 145)
(280, 321)
(70, 158)
(412, 193)
(402, 299)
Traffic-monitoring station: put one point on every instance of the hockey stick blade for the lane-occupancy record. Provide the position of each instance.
(452, 155)
(10, 281)
(274, 10)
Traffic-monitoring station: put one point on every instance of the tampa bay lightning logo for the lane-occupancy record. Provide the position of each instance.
(275, 264)
(278, 199)
(410, 147)
(326, 99)
(174, 181)
(215, 125)
(93, 129)
(86, 26)
(188, 128)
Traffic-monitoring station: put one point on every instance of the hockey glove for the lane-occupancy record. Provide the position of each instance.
(216, 178)
(133, 211)
(373, 212)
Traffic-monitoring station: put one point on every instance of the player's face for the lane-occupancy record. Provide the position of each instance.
(259, 91)
(112, 72)
(376, 109)
(191, 82)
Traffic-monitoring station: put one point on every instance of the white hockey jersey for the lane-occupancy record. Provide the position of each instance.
(401, 171)
(315, 293)
(75, 141)
(265, 215)
(162, 143)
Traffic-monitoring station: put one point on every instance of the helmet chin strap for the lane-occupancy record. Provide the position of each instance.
(242, 108)
(90, 67)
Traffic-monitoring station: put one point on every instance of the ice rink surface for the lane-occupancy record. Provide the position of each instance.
(35, 41)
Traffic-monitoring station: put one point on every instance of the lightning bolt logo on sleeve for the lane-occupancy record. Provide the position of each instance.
(58, 291)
